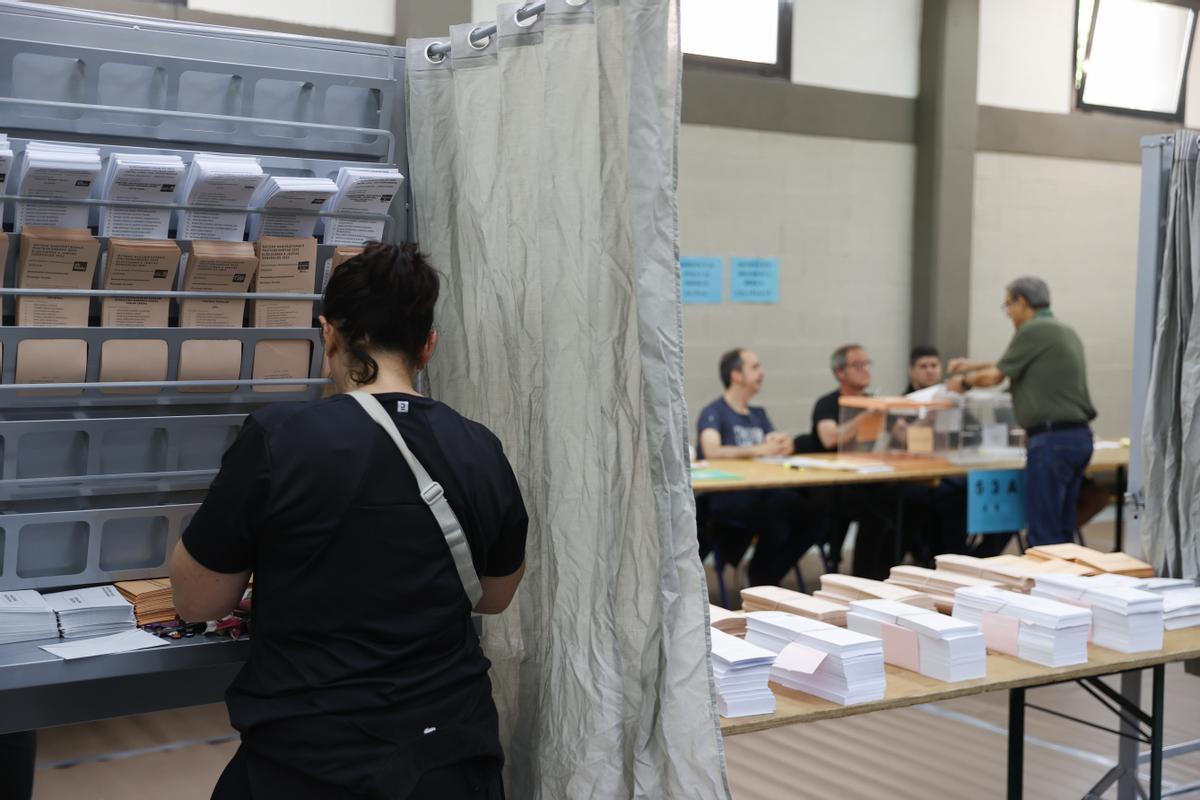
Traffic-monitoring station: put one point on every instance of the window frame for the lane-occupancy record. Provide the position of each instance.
(1165, 116)
(781, 68)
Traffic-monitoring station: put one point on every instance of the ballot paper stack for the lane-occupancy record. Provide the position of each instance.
(741, 671)
(844, 588)
(1036, 629)
(731, 622)
(55, 172)
(138, 178)
(360, 190)
(936, 645)
(938, 584)
(152, 600)
(93, 611)
(1124, 618)
(1181, 608)
(839, 665)
(1011, 572)
(289, 193)
(776, 598)
(25, 615)
(6, 160)
(1115, 563)
(219, 181)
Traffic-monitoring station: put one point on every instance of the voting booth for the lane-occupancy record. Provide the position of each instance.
(129, 360)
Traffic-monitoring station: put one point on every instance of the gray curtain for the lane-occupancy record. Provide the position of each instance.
(543, 177)
(1171, 428)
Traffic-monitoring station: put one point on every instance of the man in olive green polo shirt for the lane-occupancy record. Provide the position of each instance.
(1045, 366)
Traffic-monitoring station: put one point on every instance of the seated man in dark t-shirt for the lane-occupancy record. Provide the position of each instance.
(869, 506)
(729, 427)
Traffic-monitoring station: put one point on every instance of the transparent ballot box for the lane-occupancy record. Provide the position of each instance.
(989, 428)
(894, 428)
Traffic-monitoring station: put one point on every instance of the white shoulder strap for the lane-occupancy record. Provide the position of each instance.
(434, 497)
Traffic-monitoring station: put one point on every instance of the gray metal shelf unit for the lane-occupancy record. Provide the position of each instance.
(97, 484)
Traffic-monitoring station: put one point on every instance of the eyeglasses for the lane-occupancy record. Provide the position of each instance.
(1005, 305)
(859, 364)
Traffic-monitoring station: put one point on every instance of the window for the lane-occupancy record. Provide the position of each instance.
(1132, 56)
(752, 35)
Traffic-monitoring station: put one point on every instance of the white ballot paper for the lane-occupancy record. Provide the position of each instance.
(25, 615)
(139, 178)
(91, 611)
(124, 642)
(55, 172)
(6, 159)
(361, 190)
(287, 193)
(219, 181)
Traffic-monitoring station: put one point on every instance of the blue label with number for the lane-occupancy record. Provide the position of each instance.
(995, 500)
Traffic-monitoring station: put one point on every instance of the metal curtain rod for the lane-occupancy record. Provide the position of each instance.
(437, 51)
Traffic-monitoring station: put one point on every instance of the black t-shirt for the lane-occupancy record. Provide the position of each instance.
(364, 668)
(826, 407)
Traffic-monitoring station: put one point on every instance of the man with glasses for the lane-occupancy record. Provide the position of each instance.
(866, 505)
(1045, 365)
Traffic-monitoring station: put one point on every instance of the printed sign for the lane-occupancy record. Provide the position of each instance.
(754, 280)
(995, 500)
(702, 280)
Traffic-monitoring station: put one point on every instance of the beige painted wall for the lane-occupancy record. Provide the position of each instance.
(838, 215)
(1073, 223)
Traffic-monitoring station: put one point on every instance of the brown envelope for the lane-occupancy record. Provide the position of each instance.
(140, 264)
(55, 258)
(284, 265)
(133, 360)
(51, 361)
(209, 360)
(216, 267)
(340, 256)
(281, 358)
(920, 439)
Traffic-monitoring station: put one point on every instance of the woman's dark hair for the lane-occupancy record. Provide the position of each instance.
(382, 300)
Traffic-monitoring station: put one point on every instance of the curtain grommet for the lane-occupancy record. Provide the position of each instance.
(483, 42)
(524, 23)
(577, 3)
(434, 58)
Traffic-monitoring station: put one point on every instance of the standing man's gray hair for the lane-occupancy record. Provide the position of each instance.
(1034, 290)
(841, 356)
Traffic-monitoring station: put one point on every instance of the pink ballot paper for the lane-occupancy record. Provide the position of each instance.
(799, 658)
(1001, 633)
(901, 646)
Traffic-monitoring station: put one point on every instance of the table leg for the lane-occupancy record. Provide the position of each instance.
(1131, 690)
(1156, 731)
(1016, 742)
(1119, 533)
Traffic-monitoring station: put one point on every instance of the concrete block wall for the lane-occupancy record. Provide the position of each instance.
(838, 215)
(1073, 223)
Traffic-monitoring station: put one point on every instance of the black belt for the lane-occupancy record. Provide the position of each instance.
(1047, 427)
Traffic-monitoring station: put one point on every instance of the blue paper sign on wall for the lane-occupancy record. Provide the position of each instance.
(754, 280)
(995, 500)
(702, 279)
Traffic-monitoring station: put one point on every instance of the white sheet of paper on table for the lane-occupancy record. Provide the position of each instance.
(124, 642)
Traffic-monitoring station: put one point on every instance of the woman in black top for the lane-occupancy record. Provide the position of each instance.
(365, 676)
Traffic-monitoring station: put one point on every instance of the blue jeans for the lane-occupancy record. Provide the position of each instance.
(1053, 474)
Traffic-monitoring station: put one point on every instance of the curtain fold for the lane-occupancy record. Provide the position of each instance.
(543, 183)
(1171, 429)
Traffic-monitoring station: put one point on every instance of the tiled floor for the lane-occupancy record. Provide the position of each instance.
(949, 750)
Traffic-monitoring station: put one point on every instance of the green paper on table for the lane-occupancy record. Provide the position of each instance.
(702, 474)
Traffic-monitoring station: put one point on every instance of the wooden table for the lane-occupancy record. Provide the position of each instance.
(753, 474)
(1004, 672)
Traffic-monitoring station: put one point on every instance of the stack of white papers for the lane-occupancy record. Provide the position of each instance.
(856, 464)
(93, 611)
(139, 178)
(218, 181)
(288, 193)
(25, 615)
(839, 665)
(1123, 618)
(927, 642)
(1160, 585)
(124, 642)
(1033, 628)
(6, 159)
(740, 671)
(360, 190)
(1181, 608)
(56, 172)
